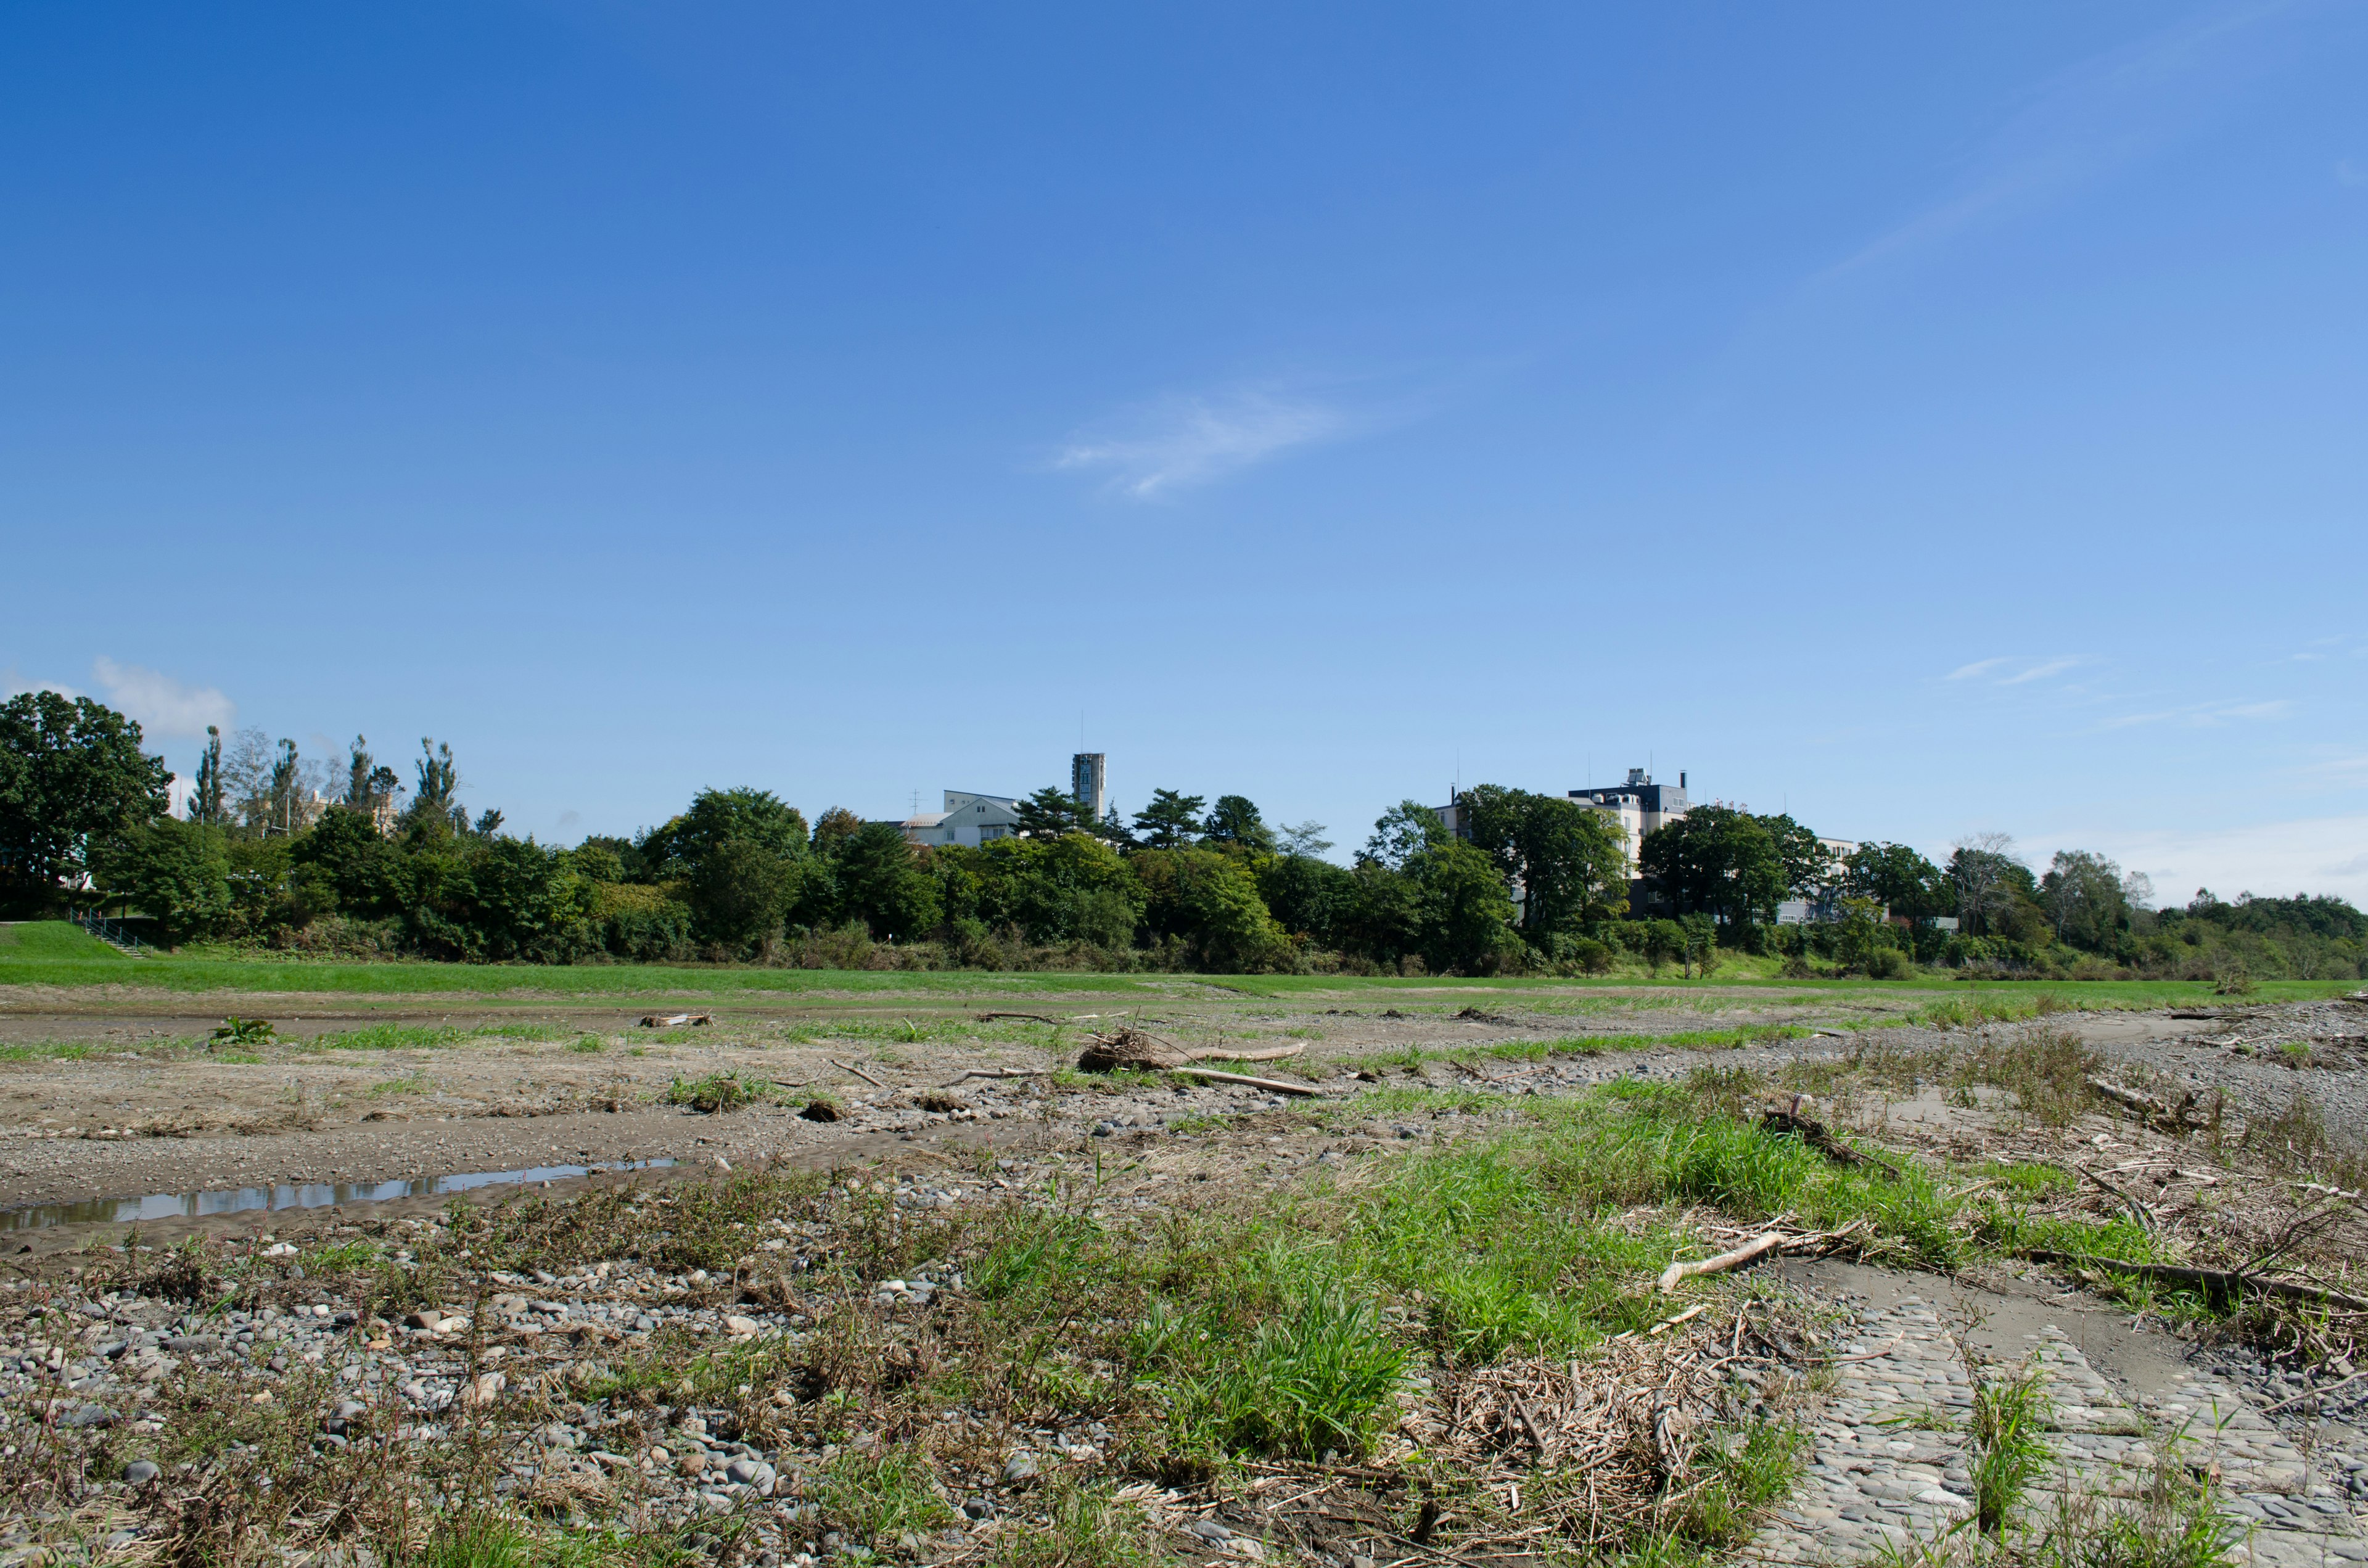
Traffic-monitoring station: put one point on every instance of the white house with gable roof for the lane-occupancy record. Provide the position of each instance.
(969, 818)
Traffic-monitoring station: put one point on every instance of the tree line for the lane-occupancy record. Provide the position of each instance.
(277, 851)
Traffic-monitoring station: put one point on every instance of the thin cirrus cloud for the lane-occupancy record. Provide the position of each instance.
(1185, 442)
(159, 704)
(2009, 671)
(2205, 715)
(2105, 114)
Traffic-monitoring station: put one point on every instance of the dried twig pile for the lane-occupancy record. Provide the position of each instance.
(1600, 1445)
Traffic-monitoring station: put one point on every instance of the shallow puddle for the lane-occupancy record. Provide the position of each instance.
(303, 1195)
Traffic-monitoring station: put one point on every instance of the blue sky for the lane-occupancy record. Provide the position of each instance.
(1929, 423)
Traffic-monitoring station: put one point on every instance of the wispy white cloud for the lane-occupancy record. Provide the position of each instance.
(2024, 669)
(2312, 856)
(2100, 115)
(2040, 671)
(1182, 442)
(13, 683)
(160, 705)
(2204, 715)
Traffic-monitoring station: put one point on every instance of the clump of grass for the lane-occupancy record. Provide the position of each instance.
(245, 1032)
(1085, 1527)
(2007, 1414)
(387, 1036)
(411, 1083)
(588, 1045)
(880, 1494)
(2175, 1524)
(2045, 1069)
(476, 1539)
(716, 1093)
(1305, 1379)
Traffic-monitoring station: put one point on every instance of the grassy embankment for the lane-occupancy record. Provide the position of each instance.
(55, 953)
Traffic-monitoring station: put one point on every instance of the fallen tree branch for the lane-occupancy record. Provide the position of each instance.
(1670, 1322)
(997, 1073)
(1227, 1053)
(1277, 1085)
(2169, 1118)
(1818, 1136)
(2313, 1393)
(1032, 1017)
(850, 1067)
(1758, 1246)
(2227, 1279)
(1132, 1049)
(2137, 1211)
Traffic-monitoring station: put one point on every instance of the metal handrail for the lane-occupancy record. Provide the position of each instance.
(114, 933)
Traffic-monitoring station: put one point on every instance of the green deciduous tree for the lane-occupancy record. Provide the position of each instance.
(737, 855)
(176, 872)
(71, 772)
(207, 806)
(1898, 879)
(1466, 913)
(1074, 887)
(1301, 838)
(717, 817)
(1210, 902)
(1718, 861)
(435, 786)
(1310, 898)
(738, 889)
(1996, 894)
(1808, 866)
(1566, 860)
(880, 882)
(833, 828)
(2082, 894)
(1402, 832)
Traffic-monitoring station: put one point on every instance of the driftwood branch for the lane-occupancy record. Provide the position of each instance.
(1278, 1085)
(1818, 1136)
(2234, 1281)
(997, 1073)
(2138, 1212)
(850, 1067)
(1758, 1246)
(1227, 1053)
(2149, 1108)
(1133, 1050)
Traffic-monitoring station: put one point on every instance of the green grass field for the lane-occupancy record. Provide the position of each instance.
(56, 953)
(54, 941)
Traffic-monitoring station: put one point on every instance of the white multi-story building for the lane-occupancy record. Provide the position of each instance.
(1634, 809)
(1820, 904)
(969, 818)
(1089, 782)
